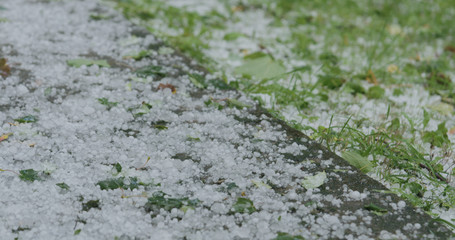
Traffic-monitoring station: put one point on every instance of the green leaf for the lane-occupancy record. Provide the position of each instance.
(111, 184)
(88, 62)
(91, 204)
(354, 88)
(237, 104)
(118, 167)
(233, 36)
(63, 186)
(160, 125)
(331, 82)
(144, 108)
(437, 138)
(161, 201)
(219, 84)
(375, 209)
(134, 183)
(426, 118)
(442, 108)
(329, 58)
(100, 17)
(114, 183)
(215, 104)
(150, 71)
(29, 175)
(77, 231)
(375, 92)
(255, 55)
(415, 188)
(397, 92)
(198, 80)
(105, 102)
(287, 236)
(315, 181)
(356, 160)
(244, 205)
(140, 55)
(47, 91)
(193, 139)
(260, 184)
(261, 68)
(27, 119)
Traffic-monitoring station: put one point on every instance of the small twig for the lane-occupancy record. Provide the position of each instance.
(7, 170)
(437, 175)
(143, 166)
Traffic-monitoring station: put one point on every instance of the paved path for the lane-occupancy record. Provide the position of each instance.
(125, 144)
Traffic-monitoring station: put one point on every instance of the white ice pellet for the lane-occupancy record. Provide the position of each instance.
(401, 205)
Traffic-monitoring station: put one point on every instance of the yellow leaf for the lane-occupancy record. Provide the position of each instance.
(5, 136)
(260, 184)
(392, 68)
(394, 29)
(371, 78)
(452, 131)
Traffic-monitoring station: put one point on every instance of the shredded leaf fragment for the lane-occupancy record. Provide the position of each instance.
(261, 68)
(87, 62)
(63, 186)
(315, 181)
(107, 103)
(170, 86)
(27, 119)
(261, 184)
(198, 80)
(287, 236)
(244, 205)
(5, 136)
(5, 69)
(150, 71)
(376, 209)
(356, 160)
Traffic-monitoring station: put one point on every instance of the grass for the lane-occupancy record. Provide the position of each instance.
(335, 57)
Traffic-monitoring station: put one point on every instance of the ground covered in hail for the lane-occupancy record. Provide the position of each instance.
(107, 133)
(372, 78)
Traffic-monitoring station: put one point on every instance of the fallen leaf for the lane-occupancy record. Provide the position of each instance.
(238, 8)
(394, 29)
(63, 186)
(315, 181)
(244, 205)
(375, 209)
(5, 69)
(260, 184)
(442, 108)
(27, 119)
(5, 136)
(287, 236)
(358, 161)
(88, 62)
(237, 104)
(198, 80)
(261, 68)
(452, 131)
(150, 71)
(170, 86)
(450, 49)
(29, 175)
(371, 78)
(392, 68)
